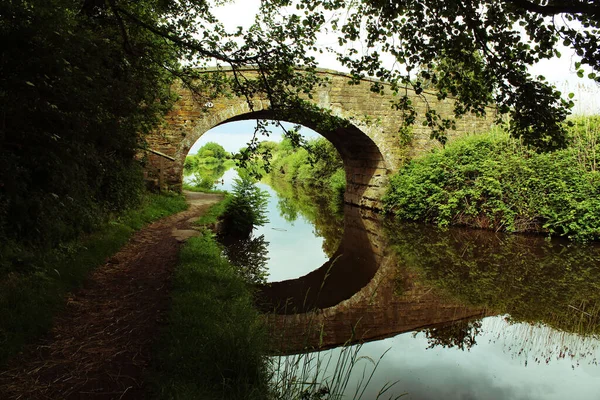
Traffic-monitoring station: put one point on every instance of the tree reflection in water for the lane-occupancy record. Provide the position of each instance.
(204, 176)
(315, 206)
(249, 256)
(460, 334)
(535, 280)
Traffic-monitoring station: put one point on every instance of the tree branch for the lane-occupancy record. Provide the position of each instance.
(588, 9)
(184, 43)
(124, 35)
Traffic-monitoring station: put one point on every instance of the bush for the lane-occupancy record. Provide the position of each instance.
(246, 208)
(492, 182)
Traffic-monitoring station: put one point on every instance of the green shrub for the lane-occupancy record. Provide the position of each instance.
(246, 208)
(491, 181)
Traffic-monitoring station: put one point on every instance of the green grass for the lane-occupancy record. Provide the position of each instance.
(212, 215)
(214, 344)
(200, 189)
(33, 283)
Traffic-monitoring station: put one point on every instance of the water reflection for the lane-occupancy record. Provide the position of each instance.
(315, 206)
(463, 313)
(490, 370)
(302, 232)
(207, 176)
(249, 254)
(351, 267)
(460, 334)
(535, 280)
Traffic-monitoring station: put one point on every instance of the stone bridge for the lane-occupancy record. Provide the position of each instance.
(370, 145)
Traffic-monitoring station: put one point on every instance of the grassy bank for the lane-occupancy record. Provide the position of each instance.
(492, 181)
(33, 283)
(214, 344)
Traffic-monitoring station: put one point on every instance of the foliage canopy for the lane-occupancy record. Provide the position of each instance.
(474, 50)
(81, 79)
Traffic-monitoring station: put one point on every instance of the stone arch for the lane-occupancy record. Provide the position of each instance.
(369, 145)
(363, 162)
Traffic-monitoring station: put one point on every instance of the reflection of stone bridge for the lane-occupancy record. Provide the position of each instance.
(358, 295)
(370, 150)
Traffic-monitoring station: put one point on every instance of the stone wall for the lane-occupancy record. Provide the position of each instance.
(371, 146)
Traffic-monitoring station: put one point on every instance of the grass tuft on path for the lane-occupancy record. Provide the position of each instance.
(34, 283)
(214, 343)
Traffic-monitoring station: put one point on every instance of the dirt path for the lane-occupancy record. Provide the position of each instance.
(100, 345)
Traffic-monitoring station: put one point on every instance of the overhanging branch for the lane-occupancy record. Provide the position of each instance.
(588, 9)
(184, 43)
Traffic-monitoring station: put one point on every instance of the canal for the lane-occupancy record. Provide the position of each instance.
(423, 312)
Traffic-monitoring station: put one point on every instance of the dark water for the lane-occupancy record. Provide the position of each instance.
(456, 314)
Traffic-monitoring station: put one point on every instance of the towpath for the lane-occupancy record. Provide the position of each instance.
(100, 345)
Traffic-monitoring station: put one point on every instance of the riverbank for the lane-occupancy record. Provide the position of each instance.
(34, 281)
(494, 182)
(214, 342)
(101, 342)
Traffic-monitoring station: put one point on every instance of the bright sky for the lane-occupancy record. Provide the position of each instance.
(233, 136)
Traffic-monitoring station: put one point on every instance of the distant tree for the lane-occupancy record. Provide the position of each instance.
(212, 149)
(267, 145)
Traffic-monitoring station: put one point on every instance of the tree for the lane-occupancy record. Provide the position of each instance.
(212, 149)
(246, 209)
(74, 101)
(82, 79)
(470, 49)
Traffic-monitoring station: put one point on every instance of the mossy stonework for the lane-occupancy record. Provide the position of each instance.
(370, 145)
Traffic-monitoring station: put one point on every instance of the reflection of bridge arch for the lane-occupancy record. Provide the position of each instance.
(349, 270)
(361, 298)
(370, 150)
